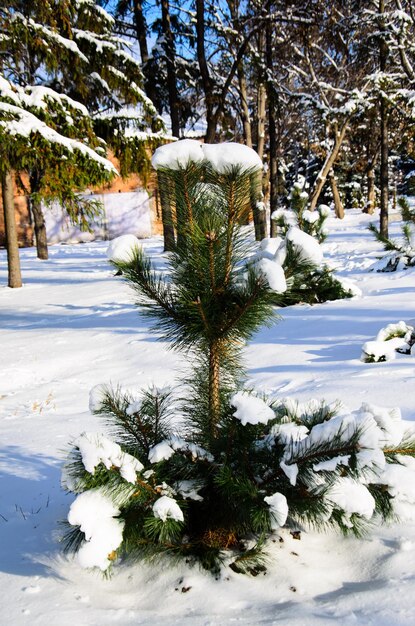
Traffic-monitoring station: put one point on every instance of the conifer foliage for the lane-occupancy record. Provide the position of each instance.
(215, 484)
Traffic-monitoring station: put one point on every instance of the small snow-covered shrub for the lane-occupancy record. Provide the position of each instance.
(311, 222)
(399, 337)
(400, 254)
(306, 278)
(271, 464)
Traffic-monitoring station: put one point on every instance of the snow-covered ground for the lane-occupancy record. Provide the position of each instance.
(73, 325)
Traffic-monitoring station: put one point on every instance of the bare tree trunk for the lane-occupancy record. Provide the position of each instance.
(371, 193)
(246, 120)
(40, 230)
(141, 34)
(214, 388)
(204, 72)
(328, 164)
(12, 246)
(171, 68)
(261, 105)
(338, 204)
(272, 130)
(384, 143)
(259, 213)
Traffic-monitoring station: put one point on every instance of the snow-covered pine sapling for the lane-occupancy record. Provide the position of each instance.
(311, 222)
(214, 485)
(399, 337)
(401, 254)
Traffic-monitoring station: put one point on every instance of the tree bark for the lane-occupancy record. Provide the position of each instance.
(12, 246)
(40, 230)
(246, 120)
(214, 388)
(272, 130)
(338, 204)
(166, 215)
(328, 164)
(371, 193)
(204, 72)
(141, 34)
(384, 139)
(171, 68)
(259, 214)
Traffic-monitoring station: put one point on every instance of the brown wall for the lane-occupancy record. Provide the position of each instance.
(119, 185)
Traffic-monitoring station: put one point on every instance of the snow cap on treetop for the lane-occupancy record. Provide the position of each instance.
(221, 156)
(177, 154)
(122, 249)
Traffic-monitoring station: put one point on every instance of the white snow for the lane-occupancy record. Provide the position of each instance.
(279, 509)
(378, 350)
(96, 448)
(73, 326)
(311, 216)
(122, 249)
(95, 513)
(251, 410)
(308, 247)
(223, 156)
(274, 274)
(352, 497)
(178, 154)
(167, 508)
(160, 452)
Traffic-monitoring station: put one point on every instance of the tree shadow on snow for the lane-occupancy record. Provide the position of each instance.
(31, 505)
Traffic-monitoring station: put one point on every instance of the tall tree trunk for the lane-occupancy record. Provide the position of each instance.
(12, 246)
(261, 106)
(272, 130)
(338, 204)
(259, 213)
(204, 72)
(40, 229)
(384, 142)
(141, 34)
(371, 193)
(171, 68)
(246, 120)
(328, 164)
(38, 217)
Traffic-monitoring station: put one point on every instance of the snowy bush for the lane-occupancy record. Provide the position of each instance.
(311, 222)
(271, 464)
(399, 337)
(400, 254)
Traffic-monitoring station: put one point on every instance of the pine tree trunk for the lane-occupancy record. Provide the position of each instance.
(214, 388)
(261, 105)
(338, 204)
(328, 164)
(166, 214)
(12, 246)
(40, 230)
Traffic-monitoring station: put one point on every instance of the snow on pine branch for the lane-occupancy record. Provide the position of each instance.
(19, 123)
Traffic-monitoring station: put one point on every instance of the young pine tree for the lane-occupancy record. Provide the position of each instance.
(239, 467)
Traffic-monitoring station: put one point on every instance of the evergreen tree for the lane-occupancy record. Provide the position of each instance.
(68, 48)
(239, 467)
